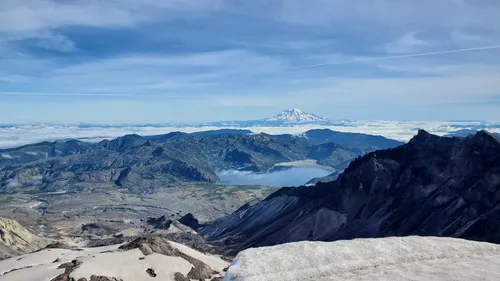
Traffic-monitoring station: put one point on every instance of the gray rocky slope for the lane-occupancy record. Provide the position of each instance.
(440, 186)
(16, 240)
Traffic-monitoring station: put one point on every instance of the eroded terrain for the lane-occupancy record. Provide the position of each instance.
(79, 217)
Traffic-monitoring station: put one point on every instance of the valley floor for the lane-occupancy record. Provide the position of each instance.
(113, 212)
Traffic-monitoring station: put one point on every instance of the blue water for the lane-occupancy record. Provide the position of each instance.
(291, 177)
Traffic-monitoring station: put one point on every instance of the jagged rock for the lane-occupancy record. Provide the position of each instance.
(217, 279)
(57, 245)
(151, 272)
(152, 244)
(66, 265)
(63, 277)
(98, 229)
(436, 186)
(72, 264)
(82, 279)
(157, 244)
(200, 271)
(180, 277)
(69, 267)
(190, 220)
(192, 240)
(103, 278)
(160, 223)
(106, 242)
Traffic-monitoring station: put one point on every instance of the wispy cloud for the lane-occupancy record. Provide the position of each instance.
(136, 58)
(373, 59)
(35, 15)
(466, 39)
(55, 41)
(402, 14)
(408, 43)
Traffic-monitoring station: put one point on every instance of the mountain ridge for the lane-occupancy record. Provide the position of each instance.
(442, 186)
(143, 163)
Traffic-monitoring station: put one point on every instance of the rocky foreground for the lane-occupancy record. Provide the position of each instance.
(152, 258)
(16, 240)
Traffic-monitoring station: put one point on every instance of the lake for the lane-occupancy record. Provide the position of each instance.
(290, 177)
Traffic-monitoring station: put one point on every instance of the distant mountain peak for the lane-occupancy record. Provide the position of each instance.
(296, 115)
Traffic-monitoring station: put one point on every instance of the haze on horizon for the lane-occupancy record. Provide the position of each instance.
(199, 61)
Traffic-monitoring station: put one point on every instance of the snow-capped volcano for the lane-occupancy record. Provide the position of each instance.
(296, 116)
(287, 118)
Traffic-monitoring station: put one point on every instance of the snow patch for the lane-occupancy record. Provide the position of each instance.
(107, 261)
(393, 258)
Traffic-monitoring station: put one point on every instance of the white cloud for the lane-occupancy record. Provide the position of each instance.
(141, 74)
(22, 134)
(35, 15)
(42, 18)
(351, 41)
(234, 59)
(408, 43)
(376, 92)
(55, 41)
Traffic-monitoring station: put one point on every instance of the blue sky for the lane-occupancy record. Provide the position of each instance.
(196, 60)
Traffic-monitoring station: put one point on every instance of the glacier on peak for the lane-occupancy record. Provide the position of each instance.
(296, 115)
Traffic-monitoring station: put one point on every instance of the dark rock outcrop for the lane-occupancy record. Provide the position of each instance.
(437, 186)
(107, 241)
(103, 278)
(69, 267)
(151, 272)
(98, 229)
(160, 223)
(191, 240)
(190, 220)
(58, 245)
(180, 277)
